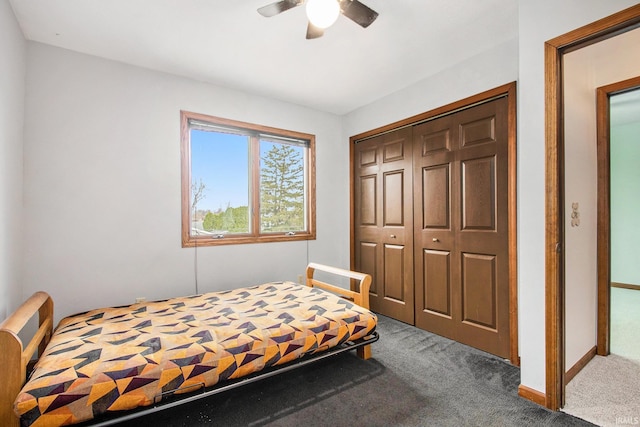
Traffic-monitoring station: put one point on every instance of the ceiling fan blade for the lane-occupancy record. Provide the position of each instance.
(314, 32)
(359, 13)
(278, 7)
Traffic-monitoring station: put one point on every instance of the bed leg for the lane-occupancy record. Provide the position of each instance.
(364, 352)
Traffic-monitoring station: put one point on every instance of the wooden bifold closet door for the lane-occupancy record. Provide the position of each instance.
(384, 221)
(440, 189)
(461, 239)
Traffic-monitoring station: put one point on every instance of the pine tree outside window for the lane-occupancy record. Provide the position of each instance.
(245, 183)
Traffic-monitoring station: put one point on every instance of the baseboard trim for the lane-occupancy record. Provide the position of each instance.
(532, 395)
(625, 286)
(573, 371)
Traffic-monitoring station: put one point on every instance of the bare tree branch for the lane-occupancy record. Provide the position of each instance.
(197, 193)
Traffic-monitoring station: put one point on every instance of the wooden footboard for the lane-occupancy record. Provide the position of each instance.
(360, 297)
(14, 358)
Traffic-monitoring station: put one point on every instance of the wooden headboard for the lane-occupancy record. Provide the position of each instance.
(14, 357)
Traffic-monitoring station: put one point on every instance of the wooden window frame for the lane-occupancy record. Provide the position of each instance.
(255, 236)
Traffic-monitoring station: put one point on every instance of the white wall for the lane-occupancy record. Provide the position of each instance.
(539, 21)
(102, 185)
(482, 72)
(12, 88)
(625, 203)
(585, 70)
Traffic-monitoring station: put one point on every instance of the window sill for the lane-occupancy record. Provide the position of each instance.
(191, 242)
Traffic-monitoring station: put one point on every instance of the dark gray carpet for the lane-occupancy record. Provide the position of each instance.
(415, 378)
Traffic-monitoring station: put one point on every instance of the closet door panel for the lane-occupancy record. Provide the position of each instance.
(383, 232)
(461, 164)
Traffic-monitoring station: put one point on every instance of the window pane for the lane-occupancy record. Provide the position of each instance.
(282, 185)
(219, 183)
(244, 183)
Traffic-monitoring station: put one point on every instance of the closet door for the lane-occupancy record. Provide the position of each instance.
(384, 221)
(461, 236)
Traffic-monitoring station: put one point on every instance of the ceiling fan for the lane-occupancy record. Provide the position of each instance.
(323, 13)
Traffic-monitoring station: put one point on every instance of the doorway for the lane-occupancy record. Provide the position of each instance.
(605, 388)
(555, 252)
(383, 236)
(610, 239)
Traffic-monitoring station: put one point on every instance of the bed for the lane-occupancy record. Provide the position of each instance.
(117, 363)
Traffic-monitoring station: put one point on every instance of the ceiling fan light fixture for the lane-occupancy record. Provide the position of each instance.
(323, 13)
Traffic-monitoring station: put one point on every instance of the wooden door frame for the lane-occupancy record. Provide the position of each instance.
(555, 49)
(603, 98)
(508, 90)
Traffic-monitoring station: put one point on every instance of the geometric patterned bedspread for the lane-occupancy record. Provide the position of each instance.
(116, 359)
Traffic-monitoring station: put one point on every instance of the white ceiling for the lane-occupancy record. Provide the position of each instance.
(228, 43)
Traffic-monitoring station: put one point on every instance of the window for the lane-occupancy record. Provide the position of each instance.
(245, 183)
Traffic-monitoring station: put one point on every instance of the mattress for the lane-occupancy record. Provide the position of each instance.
(115, 359)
